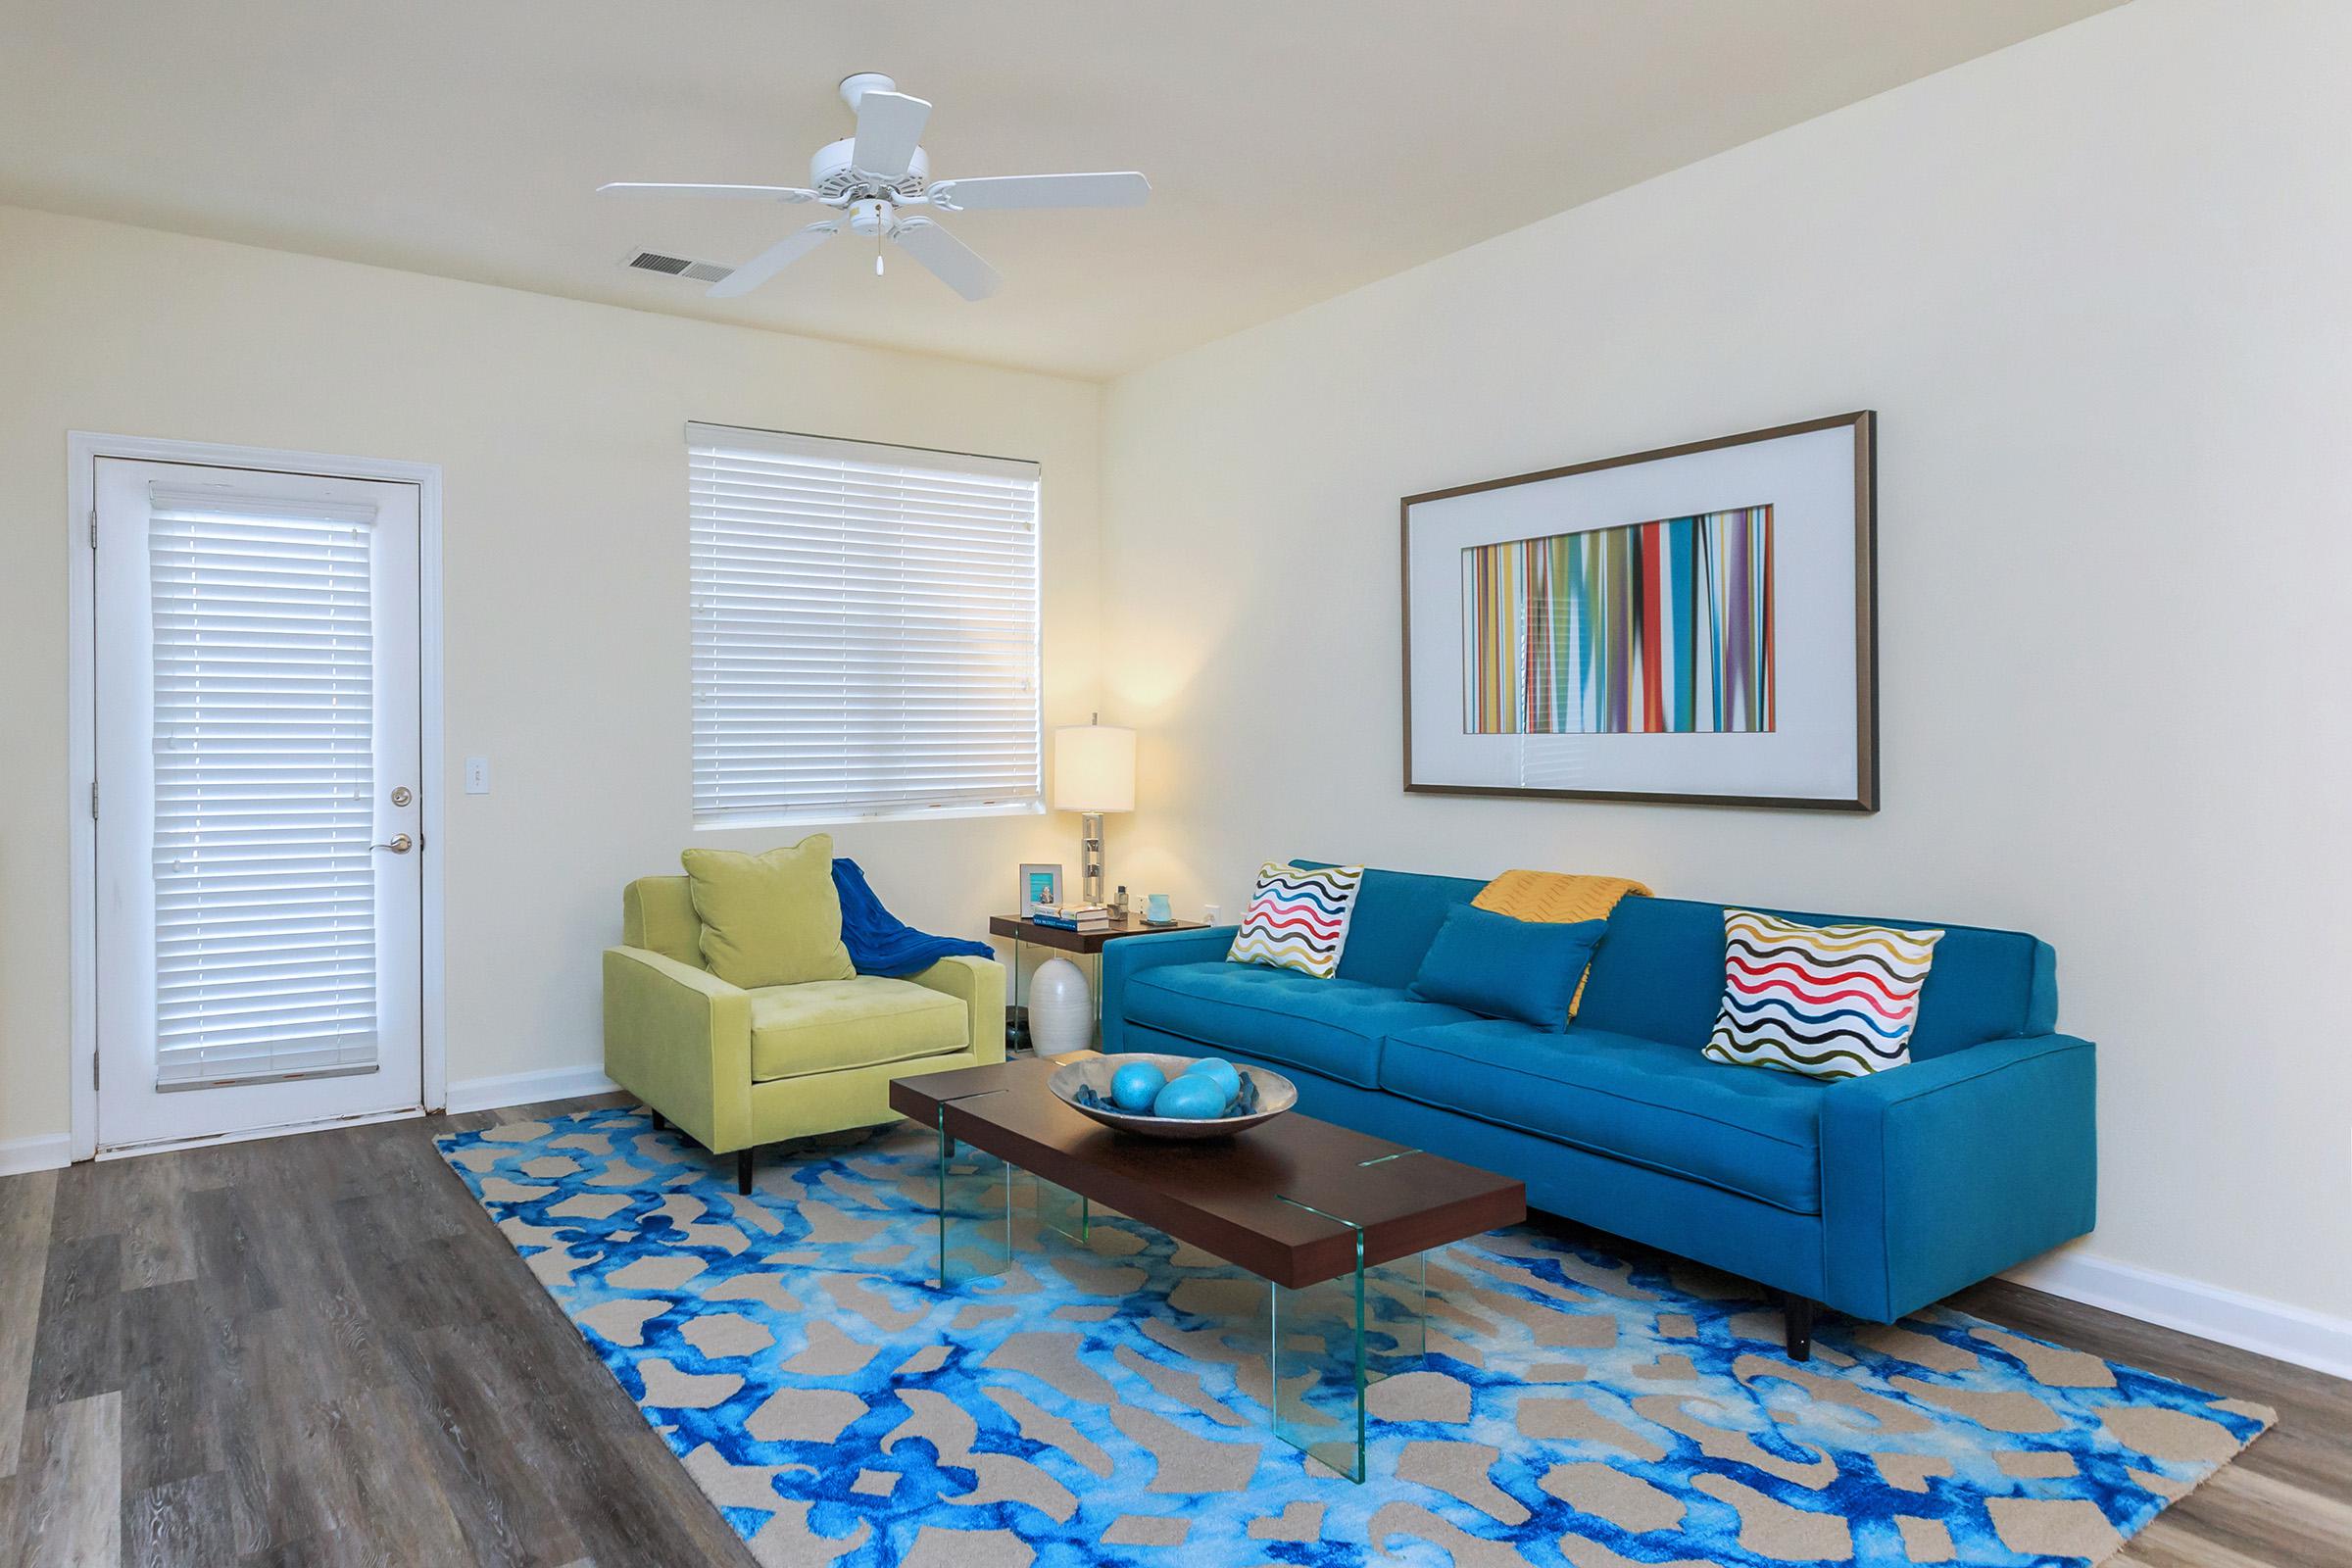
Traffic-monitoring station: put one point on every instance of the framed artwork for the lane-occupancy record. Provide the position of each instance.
(1695, 625)
(1039, 884)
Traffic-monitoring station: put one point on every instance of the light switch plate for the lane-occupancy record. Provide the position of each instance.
(477, 775)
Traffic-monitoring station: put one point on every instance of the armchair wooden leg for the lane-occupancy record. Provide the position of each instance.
(1797, 1323)
(660, 1125)
(743, 1172)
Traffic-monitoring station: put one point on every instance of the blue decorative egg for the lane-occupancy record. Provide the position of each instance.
(1193, 1097)
(1134, 1087)
(1225, 1074)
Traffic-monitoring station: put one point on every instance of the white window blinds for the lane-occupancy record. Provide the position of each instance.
(866, 629)
(264, 909)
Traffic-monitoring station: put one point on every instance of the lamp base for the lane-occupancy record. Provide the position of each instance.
(1090, 856)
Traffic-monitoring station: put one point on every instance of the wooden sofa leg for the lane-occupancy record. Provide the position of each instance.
(1796, 1322)
(743, 1172)
(660, 1125)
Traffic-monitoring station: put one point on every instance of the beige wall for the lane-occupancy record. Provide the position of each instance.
(558, 427)
(2096, 287)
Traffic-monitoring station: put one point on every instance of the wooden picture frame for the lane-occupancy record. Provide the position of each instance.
(1830, 729)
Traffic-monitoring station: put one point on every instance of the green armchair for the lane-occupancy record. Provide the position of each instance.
(736, 1068)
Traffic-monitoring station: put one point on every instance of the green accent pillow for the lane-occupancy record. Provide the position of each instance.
(772, 919)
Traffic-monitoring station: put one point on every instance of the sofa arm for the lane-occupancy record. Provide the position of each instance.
(680, 1038)
(1130, 956)
(979, 984)
(1944, 1172)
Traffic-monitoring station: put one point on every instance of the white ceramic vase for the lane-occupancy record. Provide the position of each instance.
(1061, 1011)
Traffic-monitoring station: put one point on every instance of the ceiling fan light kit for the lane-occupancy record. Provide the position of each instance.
(872, 177)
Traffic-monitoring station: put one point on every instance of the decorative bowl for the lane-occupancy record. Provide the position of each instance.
(1275, 1095)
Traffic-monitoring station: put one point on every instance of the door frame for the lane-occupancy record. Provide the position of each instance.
(83, 449)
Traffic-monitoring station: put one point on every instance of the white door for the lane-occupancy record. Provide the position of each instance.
(260, 894)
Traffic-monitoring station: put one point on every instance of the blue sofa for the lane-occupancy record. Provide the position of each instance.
(1872, 1195)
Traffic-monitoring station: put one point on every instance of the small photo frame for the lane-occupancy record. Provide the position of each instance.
(1039, 884)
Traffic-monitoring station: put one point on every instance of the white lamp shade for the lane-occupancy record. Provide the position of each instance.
(1094, 768)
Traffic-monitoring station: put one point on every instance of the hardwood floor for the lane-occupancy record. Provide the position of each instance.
(314, 1351)
(309, 1350)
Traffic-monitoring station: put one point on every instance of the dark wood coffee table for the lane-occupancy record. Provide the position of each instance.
(1334, 1221)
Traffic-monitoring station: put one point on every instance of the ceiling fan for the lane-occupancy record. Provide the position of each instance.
(870, 177)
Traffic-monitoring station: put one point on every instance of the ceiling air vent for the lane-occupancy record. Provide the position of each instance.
(679, 267)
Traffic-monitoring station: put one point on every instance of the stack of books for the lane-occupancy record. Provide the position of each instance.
(1073, 916)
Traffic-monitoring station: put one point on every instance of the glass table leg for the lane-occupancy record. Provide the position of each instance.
(1324, 1344)
(1396, 1307)
(1316, 1361)
(1058, 1210)
(1331, 1341)
(975, 1210)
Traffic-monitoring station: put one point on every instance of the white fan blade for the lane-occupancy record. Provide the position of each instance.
(1005, 191)
(950, 260)
(754, 193)
(771, 261)
(890, 125)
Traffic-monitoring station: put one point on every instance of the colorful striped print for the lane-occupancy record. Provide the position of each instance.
(1649, 628)
(1298, 919)
(1825, 1000)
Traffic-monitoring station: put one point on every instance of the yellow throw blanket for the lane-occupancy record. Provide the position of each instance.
(1559, 897)
(1555, 896)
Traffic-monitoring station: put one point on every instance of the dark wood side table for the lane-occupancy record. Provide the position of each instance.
(1022, 932)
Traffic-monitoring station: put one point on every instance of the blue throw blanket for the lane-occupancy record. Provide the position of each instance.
(879, 941)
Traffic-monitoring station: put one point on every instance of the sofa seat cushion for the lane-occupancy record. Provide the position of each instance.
(1332, 1027)
(1757, 1133)
(822, 1025)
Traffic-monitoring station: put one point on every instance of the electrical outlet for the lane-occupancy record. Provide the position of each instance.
(477, 775)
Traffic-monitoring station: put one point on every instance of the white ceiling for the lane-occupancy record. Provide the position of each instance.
(1297, 148)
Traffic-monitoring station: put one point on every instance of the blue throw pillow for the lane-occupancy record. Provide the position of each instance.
(1501, 968)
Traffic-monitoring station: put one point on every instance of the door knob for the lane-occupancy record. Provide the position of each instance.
(400, 845)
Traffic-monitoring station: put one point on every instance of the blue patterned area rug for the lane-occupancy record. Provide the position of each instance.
(1085, 1408)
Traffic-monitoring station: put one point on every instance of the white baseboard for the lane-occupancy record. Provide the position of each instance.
(2254, 1323)
(21, 1154)
(527, 1088)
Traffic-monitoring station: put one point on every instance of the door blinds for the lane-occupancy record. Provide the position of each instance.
(265, 905)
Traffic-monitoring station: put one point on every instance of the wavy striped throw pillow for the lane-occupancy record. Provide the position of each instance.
(1825, 1000)
(1298, 919)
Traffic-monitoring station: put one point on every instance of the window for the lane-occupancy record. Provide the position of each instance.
(865, 631)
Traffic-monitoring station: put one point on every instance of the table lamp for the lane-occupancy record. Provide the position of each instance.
(1094, 773)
